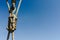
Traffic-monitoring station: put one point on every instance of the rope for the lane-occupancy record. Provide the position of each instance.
(18, 7)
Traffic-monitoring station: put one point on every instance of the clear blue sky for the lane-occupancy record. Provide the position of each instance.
(37, 20)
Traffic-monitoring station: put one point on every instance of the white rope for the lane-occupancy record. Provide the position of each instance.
(12, 35)
(8, 5)
(14, 8)
(18, 7)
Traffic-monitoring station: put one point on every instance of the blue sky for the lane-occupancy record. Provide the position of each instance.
(37, 20)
